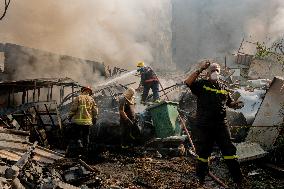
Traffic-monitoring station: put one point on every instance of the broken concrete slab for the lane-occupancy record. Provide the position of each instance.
(268, 115)
(249, 151)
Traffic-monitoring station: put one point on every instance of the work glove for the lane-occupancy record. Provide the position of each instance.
(205, 65)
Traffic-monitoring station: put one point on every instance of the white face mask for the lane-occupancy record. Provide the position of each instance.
(215, 76)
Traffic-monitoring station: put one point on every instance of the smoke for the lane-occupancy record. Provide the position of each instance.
(116, 32)
(210, 28)
(122, 32)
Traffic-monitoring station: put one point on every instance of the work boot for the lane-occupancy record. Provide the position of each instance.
(235, 170)
(242, 184)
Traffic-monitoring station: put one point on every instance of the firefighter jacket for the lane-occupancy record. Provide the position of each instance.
(147, 75)
(212, 99)
(84, 110)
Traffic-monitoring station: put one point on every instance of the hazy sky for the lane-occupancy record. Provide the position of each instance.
(118, 32)
(113, 31)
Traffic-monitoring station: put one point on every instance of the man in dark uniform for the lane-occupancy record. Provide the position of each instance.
(149, 80)
(127, 117)
(212, 98)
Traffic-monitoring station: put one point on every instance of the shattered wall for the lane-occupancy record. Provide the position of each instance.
(27, 63)
(265, 69)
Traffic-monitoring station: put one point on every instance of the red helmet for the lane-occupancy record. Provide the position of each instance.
(87, 88)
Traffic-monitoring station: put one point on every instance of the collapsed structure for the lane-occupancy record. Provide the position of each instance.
(37, 108)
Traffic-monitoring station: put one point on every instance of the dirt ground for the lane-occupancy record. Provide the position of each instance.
(132, 170)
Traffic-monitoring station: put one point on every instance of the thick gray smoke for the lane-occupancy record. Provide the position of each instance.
(122, 32)
(117, 32)
(214, 28)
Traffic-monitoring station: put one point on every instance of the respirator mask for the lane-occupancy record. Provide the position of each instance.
(215, 76)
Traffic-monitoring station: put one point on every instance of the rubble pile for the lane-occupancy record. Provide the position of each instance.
(35, 132)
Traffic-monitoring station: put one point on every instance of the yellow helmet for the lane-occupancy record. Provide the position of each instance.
(140, 64)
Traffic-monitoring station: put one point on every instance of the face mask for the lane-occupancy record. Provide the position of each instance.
(214, 76)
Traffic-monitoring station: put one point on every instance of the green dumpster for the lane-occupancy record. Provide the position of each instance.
(165, 119)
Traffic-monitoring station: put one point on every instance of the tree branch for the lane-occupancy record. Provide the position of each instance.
(7, 3)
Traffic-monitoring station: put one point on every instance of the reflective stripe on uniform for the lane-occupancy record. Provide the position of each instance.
(215, 90)
(231, 157)
(202, 159)
(83, 121)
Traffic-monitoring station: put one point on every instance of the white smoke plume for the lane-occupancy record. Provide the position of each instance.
(117, 32)
(208, 28)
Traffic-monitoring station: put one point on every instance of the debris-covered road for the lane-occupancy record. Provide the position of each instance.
(144, 170)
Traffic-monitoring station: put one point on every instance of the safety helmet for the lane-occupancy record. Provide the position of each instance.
(129, 95)
(87, 88)
(140, 64)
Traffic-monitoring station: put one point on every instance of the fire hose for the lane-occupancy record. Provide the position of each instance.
(191, 142)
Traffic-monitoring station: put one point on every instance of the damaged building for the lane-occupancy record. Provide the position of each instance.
(38, 88)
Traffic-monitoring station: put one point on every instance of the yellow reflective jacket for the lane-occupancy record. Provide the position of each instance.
(84, 110)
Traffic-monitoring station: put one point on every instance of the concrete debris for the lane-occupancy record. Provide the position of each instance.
(249, 151)
(269, 114)
(151, 162)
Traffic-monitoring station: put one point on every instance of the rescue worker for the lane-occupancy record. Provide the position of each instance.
(83, 115)
(127, 117)
(211, 125)
(148, 81)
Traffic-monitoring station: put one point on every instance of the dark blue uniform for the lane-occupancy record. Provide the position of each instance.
(149, 81)
(211, 126)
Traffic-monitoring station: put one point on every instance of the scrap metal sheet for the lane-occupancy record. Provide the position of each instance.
(269, 114)
(13, 146)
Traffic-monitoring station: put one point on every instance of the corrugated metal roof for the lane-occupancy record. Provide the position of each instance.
(14, 144)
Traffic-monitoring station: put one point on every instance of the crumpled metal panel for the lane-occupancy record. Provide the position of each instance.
(12, 147)
(249, 151)
(268, 115)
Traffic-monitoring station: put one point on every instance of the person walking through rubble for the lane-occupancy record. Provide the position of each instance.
(211, 124)
(127, 117)
(83, 115)
(149, 80)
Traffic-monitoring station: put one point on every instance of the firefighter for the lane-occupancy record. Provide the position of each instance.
(127, 117)
(83, 115)
(149, 80)
(211, 124)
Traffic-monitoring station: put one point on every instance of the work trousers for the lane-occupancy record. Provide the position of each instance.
(126, 137)
(205, 135)
(79, 140)
(154, 85)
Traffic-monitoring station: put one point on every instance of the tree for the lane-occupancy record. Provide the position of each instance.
(7, 3)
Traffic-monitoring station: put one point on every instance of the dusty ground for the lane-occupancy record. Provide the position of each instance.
(142, 170)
